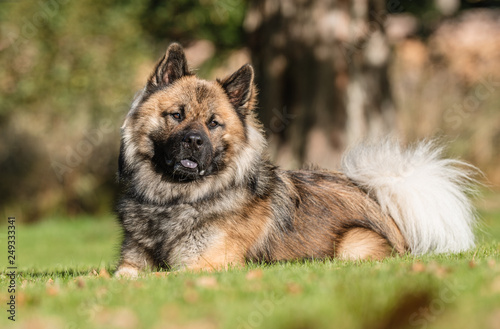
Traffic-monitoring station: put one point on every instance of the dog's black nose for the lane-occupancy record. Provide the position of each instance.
(194, 140)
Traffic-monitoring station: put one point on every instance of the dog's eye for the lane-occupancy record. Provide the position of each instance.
(213, 124)
(176, 116)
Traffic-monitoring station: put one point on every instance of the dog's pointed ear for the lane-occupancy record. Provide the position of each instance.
(240, 88)
(171, 67)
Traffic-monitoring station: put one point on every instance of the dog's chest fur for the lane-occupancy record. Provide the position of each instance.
(173, 235)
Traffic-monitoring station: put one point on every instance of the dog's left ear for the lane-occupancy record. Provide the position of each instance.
(171, 67)
(240, 89)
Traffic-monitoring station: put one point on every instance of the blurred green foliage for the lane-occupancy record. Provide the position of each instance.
(219, 21)
(71, 59)
(69, 70)
(57, 52)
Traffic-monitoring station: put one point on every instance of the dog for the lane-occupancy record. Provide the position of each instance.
(200, 193)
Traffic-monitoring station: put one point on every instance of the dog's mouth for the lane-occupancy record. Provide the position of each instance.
(189, 168)
(179, 164)
(190, 164)
(182, 164)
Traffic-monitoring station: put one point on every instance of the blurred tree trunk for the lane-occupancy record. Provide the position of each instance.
(321, 68)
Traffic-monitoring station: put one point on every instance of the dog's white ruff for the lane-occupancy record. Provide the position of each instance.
(426, 194)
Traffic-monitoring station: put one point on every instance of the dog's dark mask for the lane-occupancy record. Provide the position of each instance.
(185, 156)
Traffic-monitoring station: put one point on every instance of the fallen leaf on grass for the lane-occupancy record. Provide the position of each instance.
(491, 263)
(418, 267)
(293, 288)
(191, 296)
(21, 298)
(52, 290)
(472, 264)
(104, 274)
(161, 274)
(441, 272)
(254, 274)
(118, 318)
(80, 282)
(438, 270)
(207, 282)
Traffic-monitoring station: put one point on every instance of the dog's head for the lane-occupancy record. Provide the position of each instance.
(185, 129)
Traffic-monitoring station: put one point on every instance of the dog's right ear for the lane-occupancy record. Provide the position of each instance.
(171, 67)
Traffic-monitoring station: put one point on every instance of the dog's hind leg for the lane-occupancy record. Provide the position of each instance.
(361, 244)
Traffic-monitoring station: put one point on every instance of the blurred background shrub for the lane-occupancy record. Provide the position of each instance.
(330, 73)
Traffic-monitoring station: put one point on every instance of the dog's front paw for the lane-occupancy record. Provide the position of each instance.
(127, 272)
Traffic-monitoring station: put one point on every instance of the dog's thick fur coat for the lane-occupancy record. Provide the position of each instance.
(200, 193)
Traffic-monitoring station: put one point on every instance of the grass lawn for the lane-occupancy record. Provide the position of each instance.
(63, 282)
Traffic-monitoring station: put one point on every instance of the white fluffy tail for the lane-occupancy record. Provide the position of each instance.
(425, 194)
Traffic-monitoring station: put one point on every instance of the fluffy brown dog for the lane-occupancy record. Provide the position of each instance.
(200, 193)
